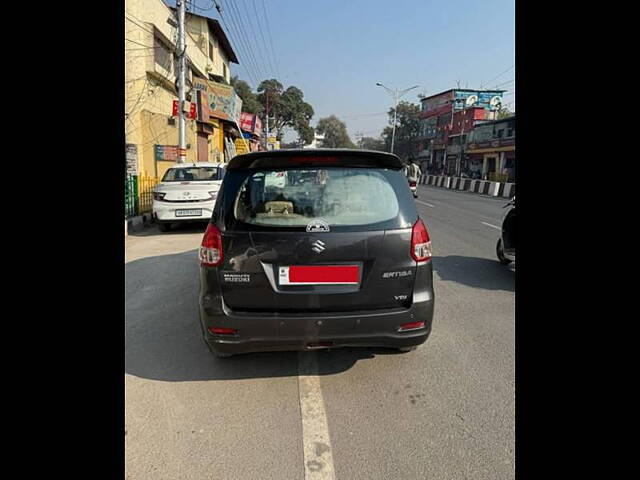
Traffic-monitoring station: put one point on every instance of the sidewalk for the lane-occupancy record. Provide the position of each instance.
(137, 223)
(483, 187)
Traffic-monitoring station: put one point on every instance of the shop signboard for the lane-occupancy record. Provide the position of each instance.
(247, 121)
(219, 100)
(166, 152)
(483, 98)
(242, 146)
(131, 154)
(250, 122)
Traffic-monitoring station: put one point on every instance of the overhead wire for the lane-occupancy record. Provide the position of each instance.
(263, 44)
(273, 50)
(243, 40)
(252, 75)
(500, 74)
(133, 21)
(506, 83)
(235, 13)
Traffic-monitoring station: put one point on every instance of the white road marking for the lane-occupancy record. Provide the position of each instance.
(318, 457)
(425, 203)
(489, 225)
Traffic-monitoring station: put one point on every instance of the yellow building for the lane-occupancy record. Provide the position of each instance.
(150, 71)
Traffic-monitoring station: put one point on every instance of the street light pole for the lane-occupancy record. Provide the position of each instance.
(396, 96)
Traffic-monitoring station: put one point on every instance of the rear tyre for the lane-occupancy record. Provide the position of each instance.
(164, 227)
(500, 252)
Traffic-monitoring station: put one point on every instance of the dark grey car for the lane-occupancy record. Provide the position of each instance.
(310, 249)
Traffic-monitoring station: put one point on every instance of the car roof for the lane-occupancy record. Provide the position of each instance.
(198, 164)
(370, 158)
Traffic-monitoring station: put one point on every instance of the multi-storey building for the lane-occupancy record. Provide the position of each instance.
(446, 120)
(151, 126)
(492, 149)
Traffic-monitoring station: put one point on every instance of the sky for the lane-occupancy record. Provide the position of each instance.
(336, 50)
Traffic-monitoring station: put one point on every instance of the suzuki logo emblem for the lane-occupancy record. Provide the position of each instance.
(318, 246)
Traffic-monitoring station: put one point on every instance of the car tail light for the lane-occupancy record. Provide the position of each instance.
(411, 326)
(158, 195)
(223, 330)
(211, 247)
(420, 242)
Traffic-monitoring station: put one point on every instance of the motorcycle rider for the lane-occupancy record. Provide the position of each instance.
(413, 171)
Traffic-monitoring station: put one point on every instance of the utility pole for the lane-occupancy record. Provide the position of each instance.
(459, 162)
(182, 130)
(395, 94)
(266, 143)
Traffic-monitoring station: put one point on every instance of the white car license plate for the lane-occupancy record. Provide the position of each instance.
(189, 213)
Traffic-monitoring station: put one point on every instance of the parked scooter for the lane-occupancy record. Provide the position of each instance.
(506, 247)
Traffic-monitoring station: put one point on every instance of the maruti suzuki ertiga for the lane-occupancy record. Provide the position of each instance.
(310, 249)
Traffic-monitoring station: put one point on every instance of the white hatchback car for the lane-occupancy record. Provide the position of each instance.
(187, 193)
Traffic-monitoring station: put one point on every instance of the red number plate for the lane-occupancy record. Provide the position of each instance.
(320, 275)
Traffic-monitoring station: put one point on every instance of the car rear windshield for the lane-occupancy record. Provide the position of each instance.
(193, 174)
(294, 197)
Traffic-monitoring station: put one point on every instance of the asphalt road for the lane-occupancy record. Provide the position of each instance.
(444, 411)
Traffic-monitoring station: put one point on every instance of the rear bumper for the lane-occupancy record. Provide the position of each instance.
(166, 211)
(260, 333)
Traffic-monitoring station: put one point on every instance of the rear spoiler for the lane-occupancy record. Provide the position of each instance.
(315, 158)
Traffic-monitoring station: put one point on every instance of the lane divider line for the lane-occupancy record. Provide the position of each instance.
(425, 203)
(492, 226)
(317, 450)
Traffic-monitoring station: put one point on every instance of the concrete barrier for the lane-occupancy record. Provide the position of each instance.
(482, 187)
(509, 190)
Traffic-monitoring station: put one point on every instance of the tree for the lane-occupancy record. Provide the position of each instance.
(287, 109)
(335, 133)
(370, 143)
(250, 103)
(504, 113)
(407, 130)
(290, 145)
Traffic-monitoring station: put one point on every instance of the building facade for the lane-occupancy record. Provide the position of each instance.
(447, 118)
(151, 126)
(492, 149)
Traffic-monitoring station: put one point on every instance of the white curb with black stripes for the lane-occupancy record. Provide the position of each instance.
(483, 187)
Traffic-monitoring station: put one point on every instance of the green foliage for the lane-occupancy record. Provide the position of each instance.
(407, 130)
(335, 133)
(504, 113)
(370, 143)
(250, 103)
(287, 109)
